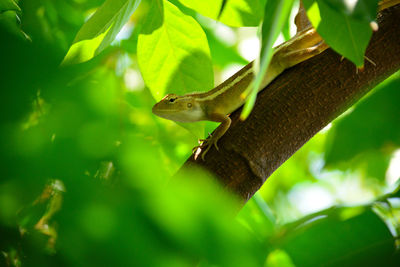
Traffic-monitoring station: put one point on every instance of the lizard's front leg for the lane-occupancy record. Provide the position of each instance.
(217, 134)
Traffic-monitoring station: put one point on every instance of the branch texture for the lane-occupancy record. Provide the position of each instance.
(294, 107)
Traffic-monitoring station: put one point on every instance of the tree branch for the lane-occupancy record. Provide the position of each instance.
(294, 107)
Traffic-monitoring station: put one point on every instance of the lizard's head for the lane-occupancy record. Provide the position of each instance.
(179, 108)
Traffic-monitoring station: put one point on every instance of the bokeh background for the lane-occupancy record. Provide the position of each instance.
(86, 166)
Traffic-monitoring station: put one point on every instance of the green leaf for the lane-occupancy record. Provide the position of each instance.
(100, 30)
(173, 52)
(276, 15)
(195, 128)
(6, 5)
(340, 236)
(10, 20)
(222, 8)
(364, 10)
(235, 13)
(278, 258)
(344, 26)
(371, 127)
(258, 216)
(223, 54)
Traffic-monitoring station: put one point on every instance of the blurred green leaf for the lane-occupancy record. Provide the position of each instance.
(258, 217)
(130, 45)
(10, 21)
(374, 163)
(154, 226)
(278, 258)
(351, 33)
(222, 54)
(276, 15)
(6, 5)
(363, 10)
(222, 8)
(10, 204)
(100, 30)
(286, 29)
(84, 127)
(371, 127)
(173, 52)
(236, 13)
(196, 128)
(340, 237)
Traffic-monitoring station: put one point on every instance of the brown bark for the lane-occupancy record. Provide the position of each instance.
(294, 107)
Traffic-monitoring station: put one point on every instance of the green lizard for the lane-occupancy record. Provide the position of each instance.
(218, 103)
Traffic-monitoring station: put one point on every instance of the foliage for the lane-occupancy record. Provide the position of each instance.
(352, 30)
(276, 14)
(100, 30)
(173, 52)
(87, 167)
(235, 13)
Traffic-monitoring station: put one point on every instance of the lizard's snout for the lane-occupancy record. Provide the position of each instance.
(154, 109)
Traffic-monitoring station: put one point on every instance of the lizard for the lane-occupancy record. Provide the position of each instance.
(216, 104)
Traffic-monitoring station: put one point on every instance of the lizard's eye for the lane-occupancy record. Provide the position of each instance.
(189, 105)
(172, 100)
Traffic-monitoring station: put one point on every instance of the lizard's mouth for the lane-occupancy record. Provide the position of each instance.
(159, 111)
(176, 114)
(163, 113)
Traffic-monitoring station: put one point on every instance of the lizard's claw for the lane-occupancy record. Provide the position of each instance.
(200, 146)
(204, 146)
